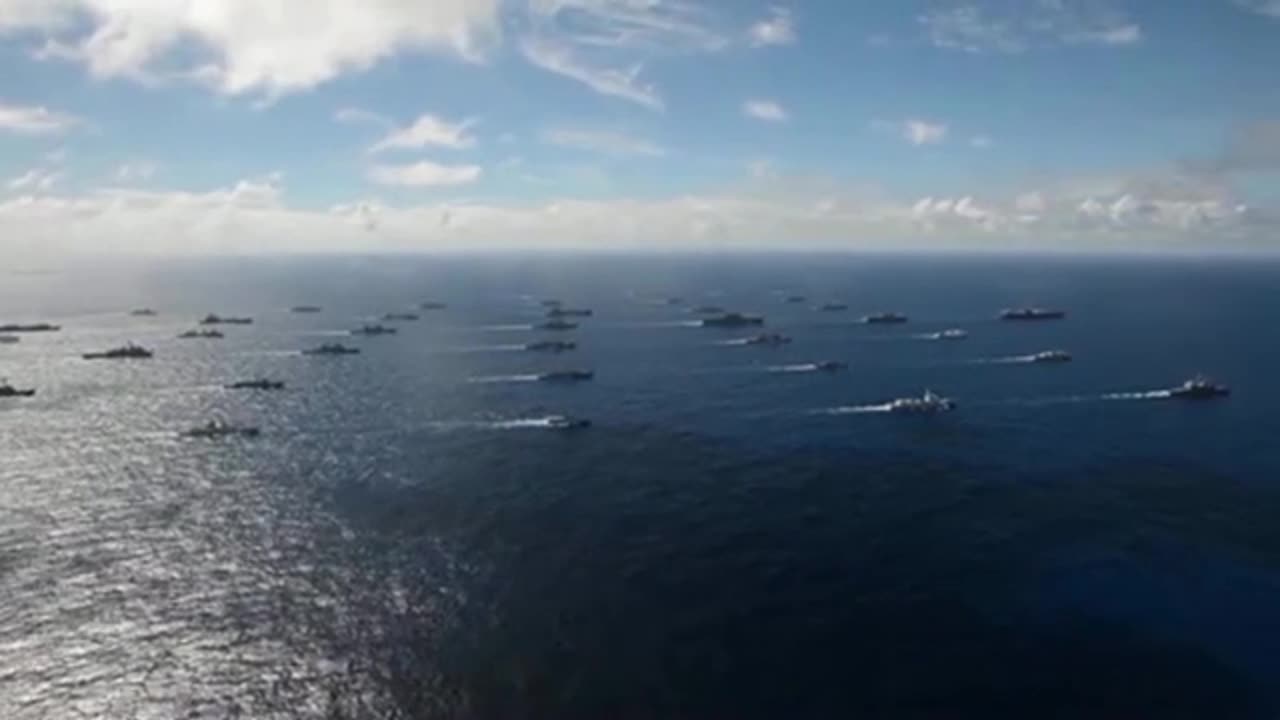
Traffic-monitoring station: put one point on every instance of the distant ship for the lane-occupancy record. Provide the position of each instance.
(432, 305)
(560, 422)
(210, 334)
(1051, 356)
(212, 319)
(29, 328)
(143, 312)
(887, 318)
(557, 324)
(374, 330)
(332, 349)
(675, 301)
(305, 309)
(951, 334)
(9, 339)
(555, 346)
(795, 299)
(400, 317)
(561, 312)
(830, 366)
(125, 352)
(256, 385)
(733, 320)
(1031, 313)
(833, 307)
(220, 429)
(927, 404)
(8, 391)
(1200, 388)
(567, 376)
(768, 339)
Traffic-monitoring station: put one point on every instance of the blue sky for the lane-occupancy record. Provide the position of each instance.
(243, 125)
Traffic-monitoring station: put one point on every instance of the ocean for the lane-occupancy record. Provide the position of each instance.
(737, 535)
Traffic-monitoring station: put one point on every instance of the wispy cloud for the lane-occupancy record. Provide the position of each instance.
(424, 174)
(35, 120)
(141, 170)
(982, 142)
(602, 141)
(766, 110)
(615, 82)
(1270, 8)
(428, 131)
(604, 44)
(1254, 147)
(358, 116)
(777, 29)
(1015, 26)
(914, 130)
(35, 180)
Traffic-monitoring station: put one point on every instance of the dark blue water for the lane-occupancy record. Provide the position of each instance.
(734, 537)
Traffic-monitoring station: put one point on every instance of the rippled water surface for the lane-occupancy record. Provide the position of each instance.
(739, 534)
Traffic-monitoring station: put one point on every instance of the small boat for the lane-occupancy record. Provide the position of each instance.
(9, 391)
(831, 366)
(332, 349)
(732, 320)
(212, 319)
(560, 422)
(207, 334)
(563, 312)
(374, 330)
(1199, 388)
(567, 376)
(557, 324)
(833, 307)
(951, 334)
(432, 305)
(1051, 356)
(887, 318)
(1031, 313)
(220, 429)
(9, 339)
(305, 309)
(674, 301)
(927, 404)
(794, 299)
(400, 317)
(256, 385)
(29, 328)
(555, 346)
(768, 340)
(128, 351)
(143, 312)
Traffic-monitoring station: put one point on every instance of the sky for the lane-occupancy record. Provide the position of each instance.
(242, 126)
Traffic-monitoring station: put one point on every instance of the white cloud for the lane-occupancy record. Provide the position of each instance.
(616, 82)
(35, 180)
(272, 47)
(1015, 26)
(424, 174)
(357, 116)
(139, 171)
(915, 131)
(766, 110)
(34, 120)
(761, 169)
(1270, 8)
(605, 44)
(1166, 211)
(778, 29)
(602, 141)
(427, 131)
